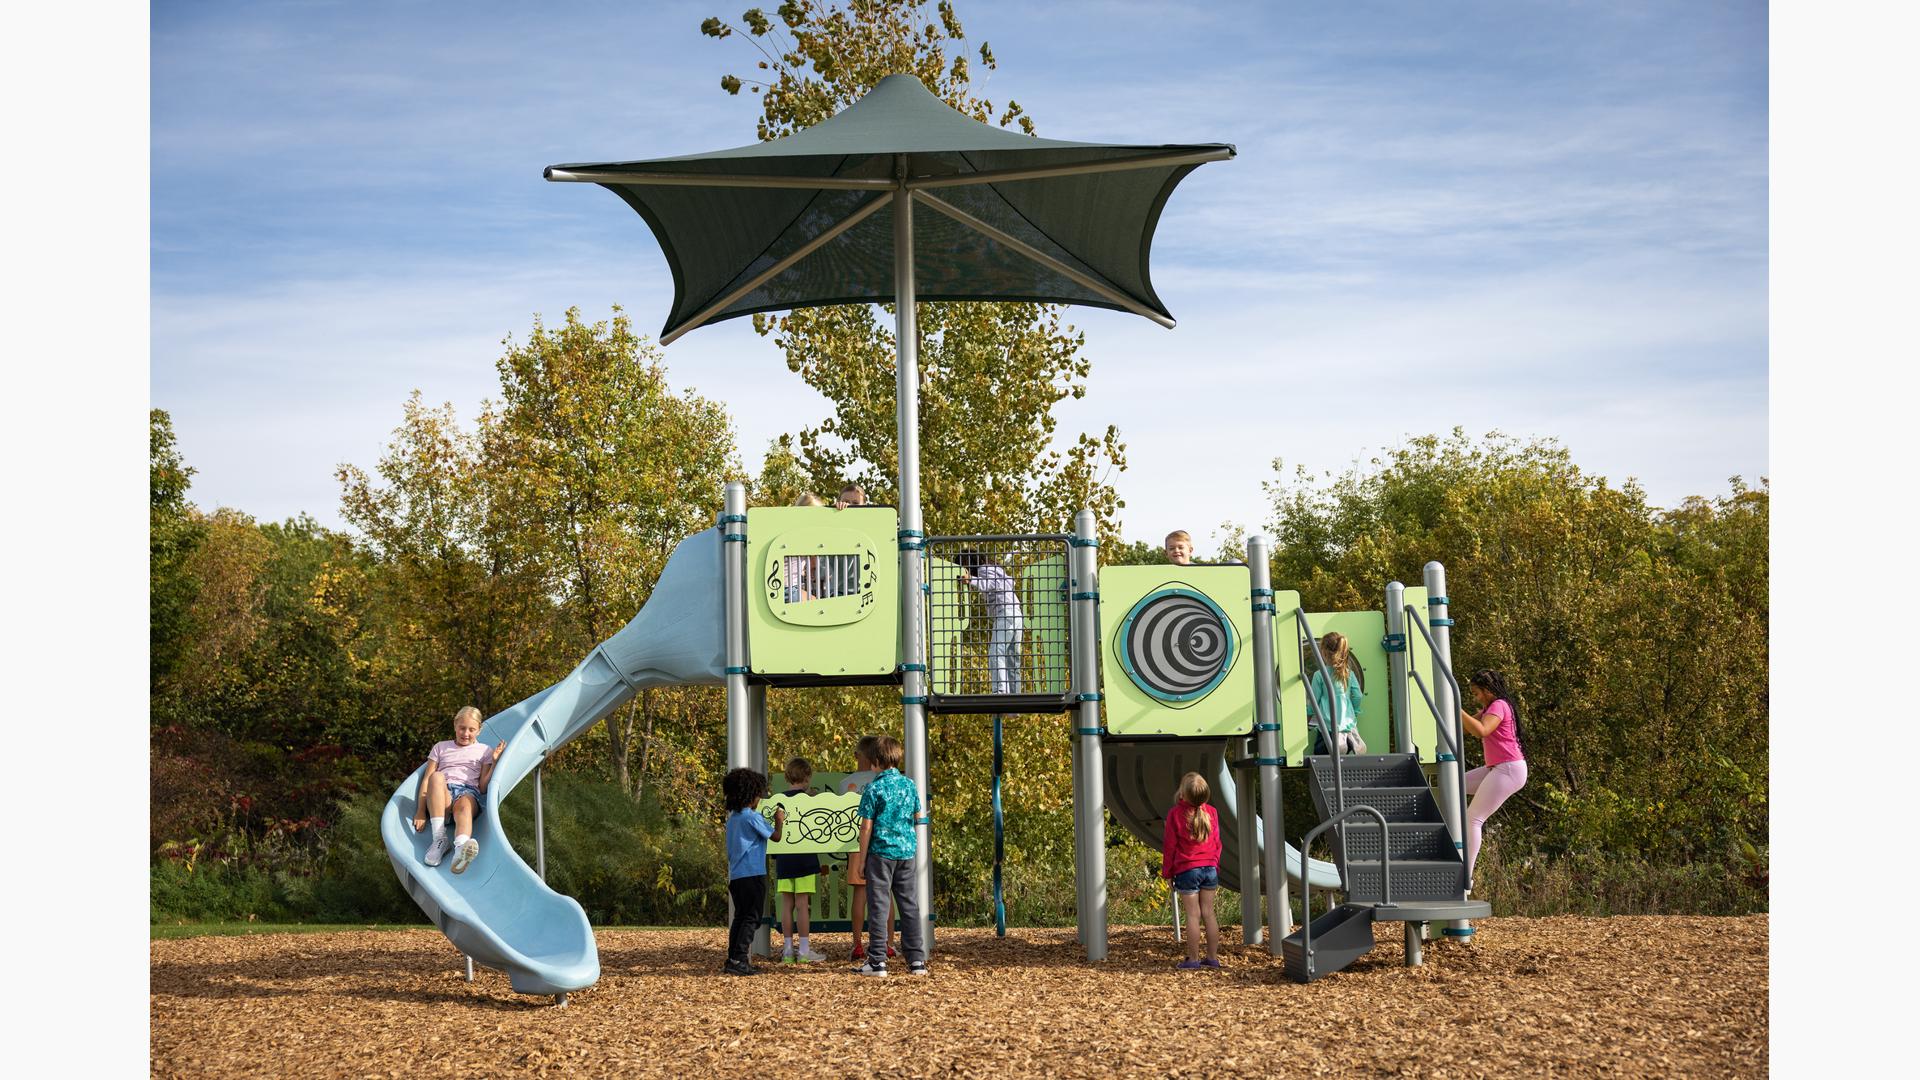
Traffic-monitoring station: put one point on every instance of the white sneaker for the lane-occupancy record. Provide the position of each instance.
(808, 956)
(869, 969)
(918, 969)
(437, 849)
(465, 856)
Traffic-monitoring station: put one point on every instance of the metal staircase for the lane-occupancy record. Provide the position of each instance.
(1421, 877)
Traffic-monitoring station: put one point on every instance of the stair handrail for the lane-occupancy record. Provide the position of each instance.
(1306, 885)
(1333, 747)
(1441, 724)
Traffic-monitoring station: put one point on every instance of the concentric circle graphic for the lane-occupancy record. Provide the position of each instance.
(1177, 644)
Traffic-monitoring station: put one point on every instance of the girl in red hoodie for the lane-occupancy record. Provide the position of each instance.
(1190, 855)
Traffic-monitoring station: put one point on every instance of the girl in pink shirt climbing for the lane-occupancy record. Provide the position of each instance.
(1506, 769)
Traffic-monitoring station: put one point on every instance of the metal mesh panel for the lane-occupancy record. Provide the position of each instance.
(1411, 881)
(998, 611)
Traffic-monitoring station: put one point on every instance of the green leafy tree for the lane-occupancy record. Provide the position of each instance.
(1635, 639)
(607, 469)
(463, 579)
(172, 534)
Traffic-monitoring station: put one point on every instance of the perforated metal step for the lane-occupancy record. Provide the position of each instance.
(1414, 879)
(1340, 937)
(1413, 840)
(1368, 771)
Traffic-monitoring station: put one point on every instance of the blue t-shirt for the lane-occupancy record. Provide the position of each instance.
(747, 835)
(890, 802)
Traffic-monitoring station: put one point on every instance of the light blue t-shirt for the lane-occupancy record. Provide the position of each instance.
(747, 834)
(1346, 705)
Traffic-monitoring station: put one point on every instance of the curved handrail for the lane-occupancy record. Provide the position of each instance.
(1442, 725)
(1306, 887)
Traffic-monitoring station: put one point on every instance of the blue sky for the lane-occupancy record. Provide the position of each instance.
(1545, 218)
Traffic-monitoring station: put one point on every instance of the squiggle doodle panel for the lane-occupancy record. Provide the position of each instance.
(823, 824)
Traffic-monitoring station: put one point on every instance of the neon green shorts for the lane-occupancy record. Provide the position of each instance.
(797, 884)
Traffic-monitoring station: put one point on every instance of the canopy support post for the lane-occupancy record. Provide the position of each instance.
(913, 530)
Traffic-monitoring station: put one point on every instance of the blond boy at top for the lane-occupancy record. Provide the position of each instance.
(1180, 548)
(851, 495)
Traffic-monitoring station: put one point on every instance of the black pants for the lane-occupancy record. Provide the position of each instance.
(749, 896)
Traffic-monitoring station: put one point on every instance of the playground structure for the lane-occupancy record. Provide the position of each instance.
(1188, 678)
(1162, 669)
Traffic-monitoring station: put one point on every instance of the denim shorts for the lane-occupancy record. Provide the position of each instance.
(1196, 878)
(454, 791)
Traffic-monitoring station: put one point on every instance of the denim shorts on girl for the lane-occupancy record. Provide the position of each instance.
(1196, 878)
(454, 791)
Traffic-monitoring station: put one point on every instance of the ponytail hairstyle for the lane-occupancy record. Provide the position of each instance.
(1496, 684)
(1333, 646)
(1193, 795)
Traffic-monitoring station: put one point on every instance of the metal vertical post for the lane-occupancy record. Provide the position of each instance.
(539, 822)
(906, 419)
(1089, 808)
(733, 561)
(1448, 705)
(1079, 797)
(1249, 848)
(733, 532)
(999, 832)
(469, 969)
(1397, 662)
(1266, 728)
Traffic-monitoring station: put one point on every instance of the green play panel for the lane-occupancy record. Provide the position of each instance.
(1366, 633)
(1175, 646)
(823, 591)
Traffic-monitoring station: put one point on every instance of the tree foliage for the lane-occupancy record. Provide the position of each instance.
(1635, 639)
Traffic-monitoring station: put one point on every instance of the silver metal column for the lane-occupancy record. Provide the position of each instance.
(1398, 683)
(1079, 797)
(539, 822)
(733, 560)
(1244, 797)
(906, 420)
(1448, 705)
(469, 969)
(757, 730)
(1090, 802)
(1266, 729)
(733, 529)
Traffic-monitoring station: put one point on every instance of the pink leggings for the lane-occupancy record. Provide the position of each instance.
(1490, 785)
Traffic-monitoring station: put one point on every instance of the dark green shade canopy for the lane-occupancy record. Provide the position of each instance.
(806, 220)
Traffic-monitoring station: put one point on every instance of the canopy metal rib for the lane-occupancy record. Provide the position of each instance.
(814, 183)
(1086, 281)
(1040, 172)
(778, 268)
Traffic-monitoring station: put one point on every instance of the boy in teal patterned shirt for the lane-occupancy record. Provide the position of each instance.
(887, 810)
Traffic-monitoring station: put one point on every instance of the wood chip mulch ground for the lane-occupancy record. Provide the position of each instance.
(1627, 996)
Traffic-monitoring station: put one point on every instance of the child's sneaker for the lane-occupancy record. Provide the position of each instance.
(868, 969)
(437, 849)
(788, 958)
(810, 957)
(890, 953)
(465, 856)
(859, 953)
(918, 969)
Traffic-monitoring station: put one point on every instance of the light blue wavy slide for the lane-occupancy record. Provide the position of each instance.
(499, 911)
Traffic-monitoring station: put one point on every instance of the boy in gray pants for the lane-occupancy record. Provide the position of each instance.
(887, 810)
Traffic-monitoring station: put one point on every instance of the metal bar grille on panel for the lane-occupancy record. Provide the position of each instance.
(997, 618)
